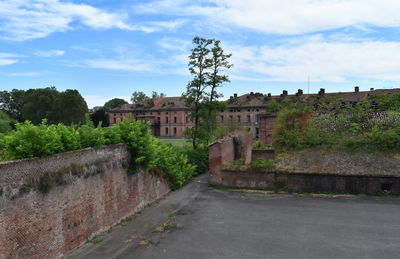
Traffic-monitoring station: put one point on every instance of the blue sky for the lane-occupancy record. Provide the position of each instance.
(109, 49)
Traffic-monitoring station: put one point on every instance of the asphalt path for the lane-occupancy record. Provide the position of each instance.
(198, 221)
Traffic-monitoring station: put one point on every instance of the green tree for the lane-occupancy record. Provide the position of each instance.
(199, 65)
(5, 122)
(47, 103)
(138, 97)
(69, 108)
(12, 102)
(39, 104)
(220, 61)
(155, 95)
(113, 103)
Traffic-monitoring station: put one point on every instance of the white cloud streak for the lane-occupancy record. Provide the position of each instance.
(50, 53)
(29, 19)
(285, 16)
(322, 60)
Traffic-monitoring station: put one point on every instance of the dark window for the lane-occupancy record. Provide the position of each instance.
(238, 118)
(174, 131)
(222, 118)
(166, 113)
(115, 114)
(166, 131)
(238, 110)
(248, 118)
(158, 119)
(174, 119)
(256, 110)
(120, 114)
(115, 120)
(248, 110)
(231, 117)
(187, 119)
(222, 110)
(166, 119)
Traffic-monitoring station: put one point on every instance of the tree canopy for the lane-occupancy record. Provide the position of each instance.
(114, 103)
(44, 103)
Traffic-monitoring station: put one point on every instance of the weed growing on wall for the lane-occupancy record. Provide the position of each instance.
(361, 127)
(28, 140)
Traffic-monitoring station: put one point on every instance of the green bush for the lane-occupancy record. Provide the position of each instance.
(263, 165)
(28, 140)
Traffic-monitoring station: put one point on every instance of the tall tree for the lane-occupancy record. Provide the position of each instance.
(138, 97)
(12, 102)
(69, 108)
(199, 65)
(113, 103)
(220, 62)
(155, 95)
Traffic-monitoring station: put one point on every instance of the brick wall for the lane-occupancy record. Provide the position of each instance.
(238, 145)
(96, 193)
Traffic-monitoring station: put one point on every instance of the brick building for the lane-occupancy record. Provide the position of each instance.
(169, 116)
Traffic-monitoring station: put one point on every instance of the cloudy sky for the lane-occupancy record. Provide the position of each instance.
(109, 49)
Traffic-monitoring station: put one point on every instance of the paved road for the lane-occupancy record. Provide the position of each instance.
(210, 223)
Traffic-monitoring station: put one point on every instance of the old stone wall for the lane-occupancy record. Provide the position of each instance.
(302, 182)
(262, 154)
(92, 191)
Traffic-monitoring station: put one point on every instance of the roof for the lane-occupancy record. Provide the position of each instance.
(249, 100)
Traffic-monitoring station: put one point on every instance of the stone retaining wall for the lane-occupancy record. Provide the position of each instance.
(92, 191)
(304, 182)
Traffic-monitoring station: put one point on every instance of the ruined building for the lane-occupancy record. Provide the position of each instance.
(169, 116)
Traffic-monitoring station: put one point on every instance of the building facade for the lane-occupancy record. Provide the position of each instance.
(169, 116)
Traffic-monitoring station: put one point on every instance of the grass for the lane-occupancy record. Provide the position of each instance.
(175, 142)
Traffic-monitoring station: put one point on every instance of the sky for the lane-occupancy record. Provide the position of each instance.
(108, 49)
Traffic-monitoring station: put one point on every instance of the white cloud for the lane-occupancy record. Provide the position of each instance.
(319, 59)
(8, 58)
(285, 16)
(49, 53)
(23, 74)
(29, 19)
(6, 61)
(116, 64)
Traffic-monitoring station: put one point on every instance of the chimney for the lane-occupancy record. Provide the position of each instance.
(356, 89)
(371, 89)
(235, 95)
(321, 91)
(299, 92)
(269, 94)
(284, 92)
(251, 93)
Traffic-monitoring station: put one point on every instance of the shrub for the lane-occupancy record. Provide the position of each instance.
(263, 165)
(147, 152)
(30, 141)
